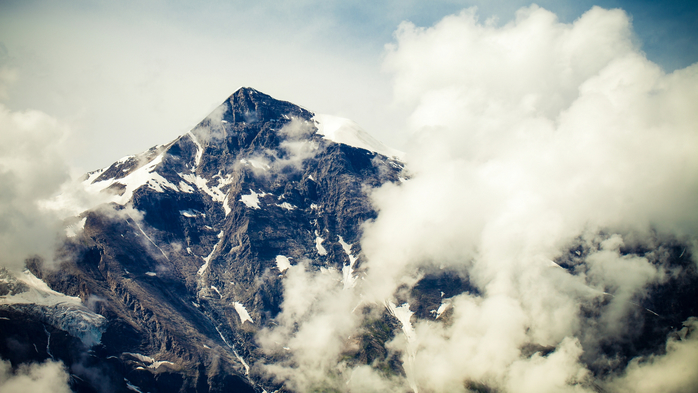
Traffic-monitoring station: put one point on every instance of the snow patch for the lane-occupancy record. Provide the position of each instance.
(37, 292)
(442, 309)
(132, 387)
(140, 357)
(282, 263)
(341, 130)
(202, 184)
(226, 206)
(199, 150)
(156, 364)
(185, 187)
(242, 312)
(287, 206)
(348, 278)
(403, 314)
(151, 274)
(318, 244)
(145, 175)
(148, 361)
(124, 159)
(252, 200)
(207, 259)
(191, 213)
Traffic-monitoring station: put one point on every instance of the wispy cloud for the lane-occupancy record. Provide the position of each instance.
(672, 372)
(295, 147)
(32, 169)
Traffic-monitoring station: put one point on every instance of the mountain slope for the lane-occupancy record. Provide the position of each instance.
(186, 259)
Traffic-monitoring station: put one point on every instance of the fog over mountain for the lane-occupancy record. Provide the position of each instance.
(538, 234)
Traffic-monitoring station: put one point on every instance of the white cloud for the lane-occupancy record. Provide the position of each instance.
(296, 148)
(527, 138)
(672, 372)
(315, 319)
(32, 169)
(49, 376)
(558, 372)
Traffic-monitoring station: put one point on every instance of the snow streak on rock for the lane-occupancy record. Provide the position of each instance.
(348, 278)
(207, 259)
(242, 312)
(318, 244)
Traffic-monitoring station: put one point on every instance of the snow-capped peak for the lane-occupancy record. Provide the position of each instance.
(342, 130)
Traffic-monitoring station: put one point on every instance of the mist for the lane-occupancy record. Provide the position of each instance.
(32, 170)
(49, 376)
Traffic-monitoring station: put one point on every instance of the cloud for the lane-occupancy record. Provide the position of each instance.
(529, 140)
(671, 372)
(32, 169)
(312, 325)
(295, 145)
(49, 376)
(519, 140)
(526, 137)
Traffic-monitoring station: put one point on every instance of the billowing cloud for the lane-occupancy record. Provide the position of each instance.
(528, 140)
(49, 376)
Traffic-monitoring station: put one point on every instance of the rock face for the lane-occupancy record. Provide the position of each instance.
(186, 260)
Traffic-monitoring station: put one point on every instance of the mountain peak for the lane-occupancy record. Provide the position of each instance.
(248, 105)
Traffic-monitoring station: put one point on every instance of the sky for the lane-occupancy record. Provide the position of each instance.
(125, 76)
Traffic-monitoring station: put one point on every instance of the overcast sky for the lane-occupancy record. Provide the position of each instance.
(124, 76)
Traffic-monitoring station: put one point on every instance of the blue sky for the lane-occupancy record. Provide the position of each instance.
(131, 75)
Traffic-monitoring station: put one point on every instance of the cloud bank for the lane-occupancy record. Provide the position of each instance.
(529, 140)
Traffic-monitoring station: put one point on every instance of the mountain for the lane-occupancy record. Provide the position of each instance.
(167, 281)
(184, 261)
